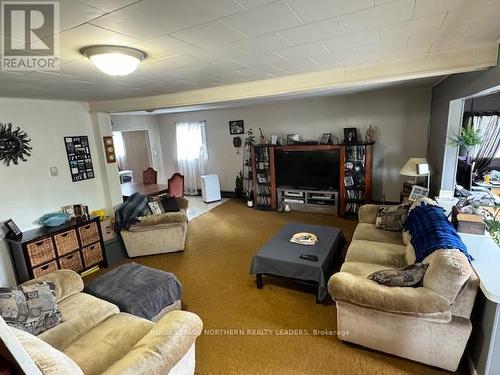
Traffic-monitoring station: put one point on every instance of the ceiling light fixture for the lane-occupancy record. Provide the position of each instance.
(114, 60)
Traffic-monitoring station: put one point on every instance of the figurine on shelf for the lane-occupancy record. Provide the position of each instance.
(371, 135)
(262, 138)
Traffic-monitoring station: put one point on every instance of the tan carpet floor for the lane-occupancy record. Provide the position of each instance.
(214, 270)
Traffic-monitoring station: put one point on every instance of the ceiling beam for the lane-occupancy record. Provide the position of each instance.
(430, 65)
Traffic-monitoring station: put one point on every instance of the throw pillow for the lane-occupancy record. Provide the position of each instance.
(170, 204)
(411, 275)
(392, 218)
(31, 308)
(156, 207)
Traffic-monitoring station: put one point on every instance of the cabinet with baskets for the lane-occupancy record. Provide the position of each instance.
(76, 246)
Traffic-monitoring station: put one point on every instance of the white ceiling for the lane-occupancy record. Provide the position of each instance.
(194, 44)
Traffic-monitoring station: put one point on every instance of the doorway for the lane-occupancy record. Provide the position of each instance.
(135, 153)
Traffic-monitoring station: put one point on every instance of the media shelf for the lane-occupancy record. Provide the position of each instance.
(264, 188)
(318, 201)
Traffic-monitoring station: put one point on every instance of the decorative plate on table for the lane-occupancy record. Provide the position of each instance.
(304, 238)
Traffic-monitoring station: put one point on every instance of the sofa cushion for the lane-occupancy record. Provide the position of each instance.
(408, 276)
(368, 232)
(376, 252)
(49, 360)
(410, 256)
(165, 218)
(67, 283)
(106, 343)
(81, 312)
(31, 308)
(361, 269)
(392, 218)
(448, 271)
(413, 302)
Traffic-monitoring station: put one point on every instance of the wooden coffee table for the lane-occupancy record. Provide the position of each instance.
(280, 257)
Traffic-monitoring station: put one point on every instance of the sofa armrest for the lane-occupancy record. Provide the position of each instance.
(183, 203)
(162, 347)
(165, 218)
(414, 302)
(367, 213)
(67, 282)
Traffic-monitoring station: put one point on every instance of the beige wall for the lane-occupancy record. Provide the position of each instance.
(27, 190)
(401, 116)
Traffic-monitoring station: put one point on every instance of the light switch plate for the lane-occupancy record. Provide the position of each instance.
(53, 171)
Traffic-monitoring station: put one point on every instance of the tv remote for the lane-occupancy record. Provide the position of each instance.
(311, 257)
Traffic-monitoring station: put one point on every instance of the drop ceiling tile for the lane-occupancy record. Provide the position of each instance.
(164, 46)
(328, 28)
(352, 40)
(310, 11)
(303, 50)
(416, 26)
(74, 13)
(263, 19)
(263, 43)
(398, 11)
(329, 60)
(108, 5)
(269, 58)
(459, 20)
(151, 18)
(253, 3)
(167, 64)
(71, 41)
(211, 33)
(207, 54)
(427, 7)
(382, 46)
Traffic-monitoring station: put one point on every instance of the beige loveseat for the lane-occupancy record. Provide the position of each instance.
(429, 324)
(157, 234)
(94, 337)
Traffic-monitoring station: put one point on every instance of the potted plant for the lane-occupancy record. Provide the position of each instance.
(468, 138)
(238, 189)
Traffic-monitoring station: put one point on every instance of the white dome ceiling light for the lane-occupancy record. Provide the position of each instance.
(114, 60)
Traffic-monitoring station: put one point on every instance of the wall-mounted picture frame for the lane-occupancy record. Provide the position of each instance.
(326, 139)
(13, 230)
(292, 139)
(236, 127)
(350, 135)
(79, 158)
(109, 149)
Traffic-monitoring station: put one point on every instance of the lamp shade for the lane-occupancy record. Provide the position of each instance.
(415, 167)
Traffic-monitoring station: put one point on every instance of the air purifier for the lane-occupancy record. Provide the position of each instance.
(210, 188)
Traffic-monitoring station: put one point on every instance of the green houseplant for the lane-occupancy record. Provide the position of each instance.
(468, 138)
(238, 189)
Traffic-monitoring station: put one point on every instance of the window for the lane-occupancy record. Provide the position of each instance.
(191, 141)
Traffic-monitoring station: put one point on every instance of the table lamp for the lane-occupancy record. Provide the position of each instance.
(416, 167)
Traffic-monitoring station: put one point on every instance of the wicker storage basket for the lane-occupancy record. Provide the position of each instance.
(46, 268)
(89, 234)
(92, 255)
(72, 261)
(41, 252)
(66, 242)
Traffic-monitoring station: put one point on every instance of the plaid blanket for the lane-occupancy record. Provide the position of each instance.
(127, 213)
(430, 230)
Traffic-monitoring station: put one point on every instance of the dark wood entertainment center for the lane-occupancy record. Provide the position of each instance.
(355, 163)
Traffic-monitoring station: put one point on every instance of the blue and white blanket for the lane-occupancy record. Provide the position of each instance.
(430, 230)
(126, 215)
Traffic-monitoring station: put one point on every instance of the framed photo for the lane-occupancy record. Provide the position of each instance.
(350, 135)
(418, 192)
(78, 210)
(12, 229)
(236, 127)
(326, 139)
(348, 181)
(292, 139)
(274, 139)
(69, 210)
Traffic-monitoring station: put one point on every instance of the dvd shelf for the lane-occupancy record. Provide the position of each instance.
(263, 177)
(357, 177)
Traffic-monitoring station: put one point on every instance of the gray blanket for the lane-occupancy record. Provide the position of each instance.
(136, 289)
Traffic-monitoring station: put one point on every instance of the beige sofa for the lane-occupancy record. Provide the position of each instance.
(429, 324)
(96, 338)
(157, 234)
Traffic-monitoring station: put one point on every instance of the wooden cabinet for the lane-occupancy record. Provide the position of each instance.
(75, 246)
(264, 181)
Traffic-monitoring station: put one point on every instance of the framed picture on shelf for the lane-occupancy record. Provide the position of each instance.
(236, 127)
(274, 139)
(348, 181)
(350, 135)
(326, 139)
(292, 139)
(418, 192)
(12, 229)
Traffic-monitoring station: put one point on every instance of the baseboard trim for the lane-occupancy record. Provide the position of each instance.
(224, 194)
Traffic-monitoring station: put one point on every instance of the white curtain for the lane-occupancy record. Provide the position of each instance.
(120, 153)
(192, 153)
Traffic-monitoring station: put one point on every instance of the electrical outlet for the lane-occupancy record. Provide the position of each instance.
(53, 171)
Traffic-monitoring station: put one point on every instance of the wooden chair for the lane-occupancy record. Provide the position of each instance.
(176, 185)
(149, 176)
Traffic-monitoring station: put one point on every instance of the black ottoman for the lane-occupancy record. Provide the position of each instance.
(139, 290)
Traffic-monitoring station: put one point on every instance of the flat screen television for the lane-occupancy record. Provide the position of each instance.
(308, 170)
